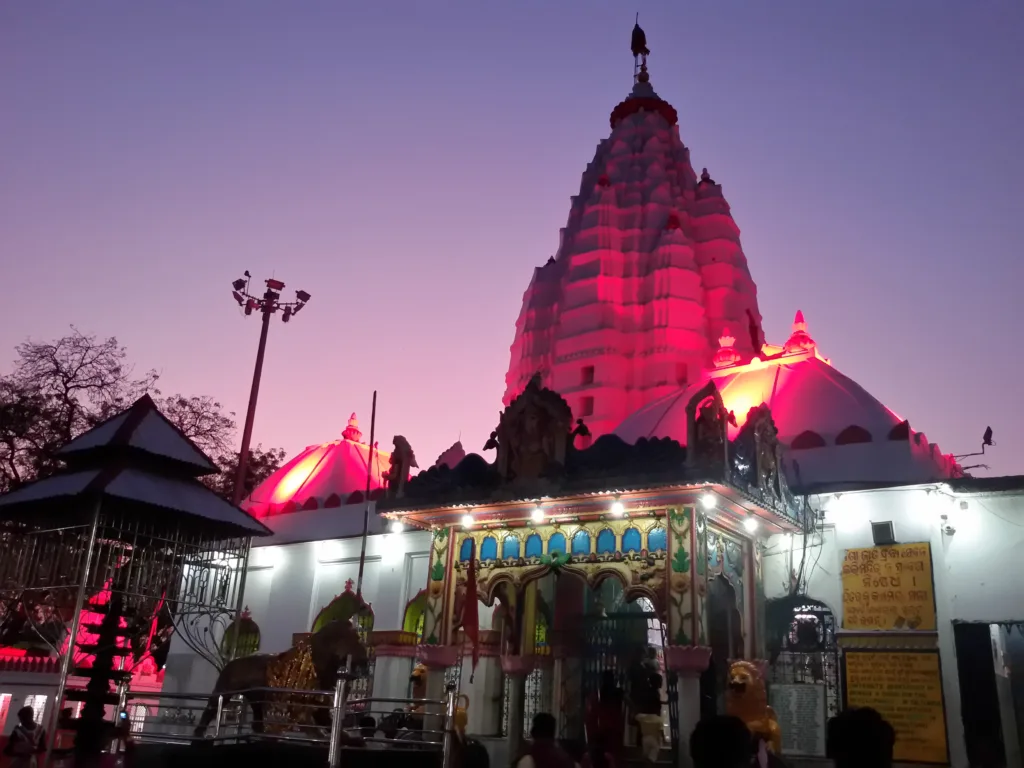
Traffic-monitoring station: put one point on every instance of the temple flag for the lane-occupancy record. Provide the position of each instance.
(471, 609)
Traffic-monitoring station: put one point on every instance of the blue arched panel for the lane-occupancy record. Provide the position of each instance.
(510, 548)
(556, 543)
(581, 543)
(606, 542)
(631, 540)
(657, 541)
(488, 549)
(465, 550)
(534, 546)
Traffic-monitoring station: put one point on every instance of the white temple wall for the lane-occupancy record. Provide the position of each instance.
(977, 569)
(288, 581)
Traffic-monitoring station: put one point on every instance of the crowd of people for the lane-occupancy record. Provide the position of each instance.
(856, 738)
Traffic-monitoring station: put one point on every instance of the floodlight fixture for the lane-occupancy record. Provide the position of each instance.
(267, 304)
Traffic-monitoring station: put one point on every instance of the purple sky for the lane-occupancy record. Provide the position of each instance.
(410, 163)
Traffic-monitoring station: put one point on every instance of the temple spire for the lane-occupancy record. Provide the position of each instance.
(638, 45)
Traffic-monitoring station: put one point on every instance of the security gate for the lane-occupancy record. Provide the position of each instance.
(615, 642)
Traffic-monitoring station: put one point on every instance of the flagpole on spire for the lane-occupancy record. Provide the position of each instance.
(366, 501)
(638, 44)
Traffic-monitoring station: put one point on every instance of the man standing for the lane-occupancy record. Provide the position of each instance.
(27, 741)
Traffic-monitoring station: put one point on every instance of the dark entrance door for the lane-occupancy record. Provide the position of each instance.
(623, 640)
(979, 699)
(725, 636)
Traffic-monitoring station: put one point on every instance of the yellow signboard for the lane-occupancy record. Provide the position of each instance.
(905, 687)
(888, 588)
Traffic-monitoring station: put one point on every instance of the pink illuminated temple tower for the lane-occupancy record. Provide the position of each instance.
(648, 275)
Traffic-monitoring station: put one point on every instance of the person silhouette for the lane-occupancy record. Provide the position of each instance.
(27, 740)
(721, 741)
(860, 738)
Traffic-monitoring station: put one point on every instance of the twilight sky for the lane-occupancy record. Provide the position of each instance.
(409, 164)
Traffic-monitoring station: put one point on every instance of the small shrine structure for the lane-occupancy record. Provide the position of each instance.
(563, 540)
(107, 558)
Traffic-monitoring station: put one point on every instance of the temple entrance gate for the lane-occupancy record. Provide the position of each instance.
(625, 638)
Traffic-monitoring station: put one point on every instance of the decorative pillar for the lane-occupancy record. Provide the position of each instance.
(437, 659)
(394, 651)
(516, 668)
(687, 654)
(437, 616)
(688, 663)
(483, 695)
(760, 603)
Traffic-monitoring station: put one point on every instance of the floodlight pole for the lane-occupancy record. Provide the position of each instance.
(254, 393)
(269, 303)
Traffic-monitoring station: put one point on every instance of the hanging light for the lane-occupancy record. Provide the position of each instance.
(537, 515)
(708, 501)
(467, 521)
(396, 526)
(618, 508)
(750, 524)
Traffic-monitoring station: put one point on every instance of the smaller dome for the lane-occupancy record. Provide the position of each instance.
(806, 394)
(817, 411)
(321, 476)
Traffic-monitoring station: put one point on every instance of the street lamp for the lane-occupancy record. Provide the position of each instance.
(269, 303)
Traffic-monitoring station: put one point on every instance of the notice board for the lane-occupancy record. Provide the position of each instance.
(800, 709)
(905, 687)
(889, 588)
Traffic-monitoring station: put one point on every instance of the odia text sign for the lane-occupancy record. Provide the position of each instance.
(889, 588)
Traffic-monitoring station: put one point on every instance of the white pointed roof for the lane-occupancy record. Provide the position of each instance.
(141, 428)
(136, 461)
(322, 476)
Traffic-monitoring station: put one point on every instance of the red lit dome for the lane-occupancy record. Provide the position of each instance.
(322, 476)
(835, 431)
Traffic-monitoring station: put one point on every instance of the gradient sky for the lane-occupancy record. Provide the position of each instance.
(410, 163)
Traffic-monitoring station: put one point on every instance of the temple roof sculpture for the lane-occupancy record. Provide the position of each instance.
(537, 458)
(818, 411)
(648, 275)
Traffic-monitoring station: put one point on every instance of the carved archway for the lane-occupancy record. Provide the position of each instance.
(247, 633)
(414, 615)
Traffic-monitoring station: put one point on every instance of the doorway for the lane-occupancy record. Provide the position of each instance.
(979, 697)
(725, 636)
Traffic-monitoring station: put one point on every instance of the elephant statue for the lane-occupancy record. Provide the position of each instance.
(312, 664)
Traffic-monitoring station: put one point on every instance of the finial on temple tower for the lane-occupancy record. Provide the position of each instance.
(640, 53)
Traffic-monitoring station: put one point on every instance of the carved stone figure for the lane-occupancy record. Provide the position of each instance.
(747, 699)
(532, 434)
(402, 460)
(707, 430)
(760, 429)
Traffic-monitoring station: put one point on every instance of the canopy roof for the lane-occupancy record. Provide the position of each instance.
(136, 464)
(140, 430)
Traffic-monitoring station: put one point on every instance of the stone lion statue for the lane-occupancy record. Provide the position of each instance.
(747, 699)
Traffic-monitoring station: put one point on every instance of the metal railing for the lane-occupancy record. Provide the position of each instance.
(314, 718)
